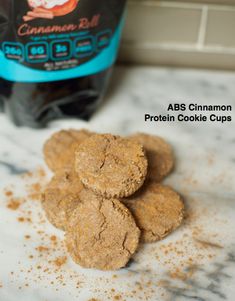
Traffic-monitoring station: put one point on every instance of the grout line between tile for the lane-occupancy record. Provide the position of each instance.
(165, 4)
(184, 5)
(178, 47)
(222, 7)
(202, 27)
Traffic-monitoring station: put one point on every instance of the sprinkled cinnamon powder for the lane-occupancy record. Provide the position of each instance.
(22, 219)
(13, 204)
(53, 238)
(60, 261)
(37, 173)
(35, 191)
(42, 249)
(41, 172)
(8, 193)
(178, 274)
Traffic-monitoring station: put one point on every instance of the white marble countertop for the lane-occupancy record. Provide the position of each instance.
(197, 262)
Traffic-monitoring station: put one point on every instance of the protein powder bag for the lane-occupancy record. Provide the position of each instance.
(56, 56)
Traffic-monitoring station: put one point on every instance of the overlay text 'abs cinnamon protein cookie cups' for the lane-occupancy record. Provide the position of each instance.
(110, 165)
(61, 197)
(59, 149)
(157, 209)
(101, 233)
(159, 154)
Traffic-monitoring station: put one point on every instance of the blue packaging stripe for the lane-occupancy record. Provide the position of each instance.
(14, 71)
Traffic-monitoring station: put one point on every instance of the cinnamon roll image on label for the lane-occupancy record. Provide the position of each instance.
(48, 9)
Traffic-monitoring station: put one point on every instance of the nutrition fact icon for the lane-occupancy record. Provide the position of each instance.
(37, 52)
(13, 51)
(84, 47)
(61, 50)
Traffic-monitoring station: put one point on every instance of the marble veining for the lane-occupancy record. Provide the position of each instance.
(212, 286)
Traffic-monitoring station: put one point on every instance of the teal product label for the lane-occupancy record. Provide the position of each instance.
(53, 40)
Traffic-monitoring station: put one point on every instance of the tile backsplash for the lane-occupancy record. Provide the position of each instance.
(189, 33)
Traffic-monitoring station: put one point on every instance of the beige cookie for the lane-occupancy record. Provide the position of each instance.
(110, 165)
(61, 197)
(157, 209)
(59, 149)
(159, 154)
(101, 233)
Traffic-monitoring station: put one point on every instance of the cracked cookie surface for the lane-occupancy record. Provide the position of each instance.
(157, 209)
(59, 149)
(110, 165)
(61, 197)
(101, 233)
(159, 154)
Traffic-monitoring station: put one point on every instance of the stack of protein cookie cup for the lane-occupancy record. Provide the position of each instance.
(106, 195)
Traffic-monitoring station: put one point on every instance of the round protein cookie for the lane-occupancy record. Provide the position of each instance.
(101, 233)
(61, 197)
(157, 209)
(60, 148)
(159, 154)
(110, 165)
